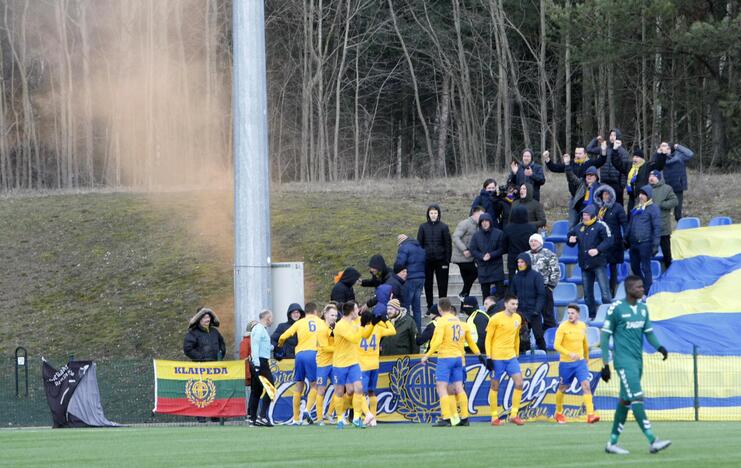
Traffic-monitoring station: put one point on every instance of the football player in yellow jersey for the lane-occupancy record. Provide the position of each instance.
(306, 329)
(503, 347)
(346, 374)
(571, 342)
(370, 349)
(448, 341)
(324, 356)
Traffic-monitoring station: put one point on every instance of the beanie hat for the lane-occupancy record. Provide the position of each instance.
(591, 170)
(394, 303)
(401, 238)
(537, 237)
(657, 174)
(638, 152)
(470, 304)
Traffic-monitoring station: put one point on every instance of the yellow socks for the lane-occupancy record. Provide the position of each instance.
(559, 401)
(310, 400)
(589, 403)
(296, 406)
(495, 410)
(444, 407)
(332, 404)
(373, 405)
(339, 406)
(319, 407)
(516, 399)
(357, 405)
(462, 400)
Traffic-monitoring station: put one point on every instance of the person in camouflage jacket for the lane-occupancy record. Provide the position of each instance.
(545, 262)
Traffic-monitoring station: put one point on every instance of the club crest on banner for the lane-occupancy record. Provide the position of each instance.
(200, 393)
(414, 389)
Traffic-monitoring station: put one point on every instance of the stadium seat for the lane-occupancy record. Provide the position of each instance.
(550, 338)
(575, 276)
(620, 291)
(564, 294)
(623, 271)
(655, 268)
(626, 256)
(550, 246)
(688, 223)
(719, 221)
(593, 337)
(597, 295)
(569, 255)
(558, 231)
(659, 255)
(599, 319)
(562, 267)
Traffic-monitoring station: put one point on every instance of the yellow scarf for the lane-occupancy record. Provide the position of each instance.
(601, 213)
(586, 224)
(586, 193)
(634, 172)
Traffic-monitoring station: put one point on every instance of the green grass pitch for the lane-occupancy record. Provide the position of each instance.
(538, 444)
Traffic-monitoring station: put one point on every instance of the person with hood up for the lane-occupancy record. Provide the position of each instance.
(494, 202)
(397, 281)
(528, 172)
(405, 340)
(637, 173)
(517, 238)
(612, 214)
(675, 173)
(529, 288)
(413, 257)
(666, 200)
(434, 236)
(477, 321)
(423, 339)
(288, 350)
(584, 195)
(461, 254)
(644, 234)
(610, 175)
(594, 240)
(203, 342)
(577, 167)
(343, 289)
(378, 270)
(545, 262)
(486, 247)
(535, 212)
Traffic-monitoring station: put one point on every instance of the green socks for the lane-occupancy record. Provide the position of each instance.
(639, 412)
(621, 414)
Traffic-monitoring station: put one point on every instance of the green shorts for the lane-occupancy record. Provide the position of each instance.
(630, 383)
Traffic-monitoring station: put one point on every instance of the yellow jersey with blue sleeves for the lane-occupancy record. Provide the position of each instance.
(503, 336)
(572, 338)
(305, 330)
(450, 337)
(347, 336)
(370, 348)
(325, 345)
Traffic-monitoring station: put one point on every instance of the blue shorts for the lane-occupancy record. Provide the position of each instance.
(510, 366)
(346, 375)
(304, 367)
(449, 370)
(324, 375)
(370, 380)
(568, 371)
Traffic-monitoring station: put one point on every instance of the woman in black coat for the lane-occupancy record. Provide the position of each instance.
(486, 248)
(203, 342)
(517, 238)
(613, 214)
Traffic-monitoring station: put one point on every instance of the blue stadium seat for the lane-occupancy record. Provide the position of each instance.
(626, 256)
(576, 276)
(599, 319)
(719, 221)
(558, 231)
(564, 294)
(550, 246)
(688, 223)
(597, 295)
(623, 271)
(550, 338)
(569, 254)
(655, 268)
(620, 291)
(562, 267)
(593, 337)
(659, 255)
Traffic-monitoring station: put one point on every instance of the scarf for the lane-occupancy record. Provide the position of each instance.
(639, 208)
(510, 198)
(601, 213)
(633, 174)
(586, 224)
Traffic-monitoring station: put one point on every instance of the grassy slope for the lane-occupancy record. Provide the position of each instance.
(120, 274)
(694, 444)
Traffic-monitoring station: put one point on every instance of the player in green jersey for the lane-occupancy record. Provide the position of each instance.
(626, 323)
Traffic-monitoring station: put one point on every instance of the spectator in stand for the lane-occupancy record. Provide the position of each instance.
(477, 321)
(493, 202)
(666, 200)
(528, 172)
(203, 342)
(529, 287)
(486, 246)
(644, 235)
(545, 262)
(434, 237)
(288, 350)
(579, 166)
(517, 238)
(594, 240)
(609, 174)
(535, 212)
(397, 282)
(405, 340)
(675, 173)
(461, 254)
(637, 173)
(490, 305)
(613, 214)
(378, 270)
(343, 289)
(260, 366)
(412, 256)
(424, 338)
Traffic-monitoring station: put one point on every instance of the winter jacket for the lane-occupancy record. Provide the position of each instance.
(434, 237)
(343, 291)
(200, 344)
(645, 224)
(529, 288)
(478, 320)
(404, 342)
(641, 179)
(426, 335)
(666, 200)
(462, 238)
(613, 214)
(517, 237)
(397, 287)
(609, 174)
(675, 172)
(597, 236)
(536, 180)
(578, 169)
(379, 263)
(577, 203)
(413, 257)
(545, 262)
(490, 242)
(535, 212)
(288, 350)
(494, 204)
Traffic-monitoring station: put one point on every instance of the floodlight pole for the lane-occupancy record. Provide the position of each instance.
(252, 288)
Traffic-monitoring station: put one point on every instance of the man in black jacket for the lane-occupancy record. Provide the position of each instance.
(203, 342)
(516, 238)
(528, 172)
(378, 270)
(637, 173)
(529, 287)
(288, 350)
(434, 237)
(343, 289)
(397, 281)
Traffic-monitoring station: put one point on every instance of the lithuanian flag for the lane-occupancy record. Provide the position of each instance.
(213, 389)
